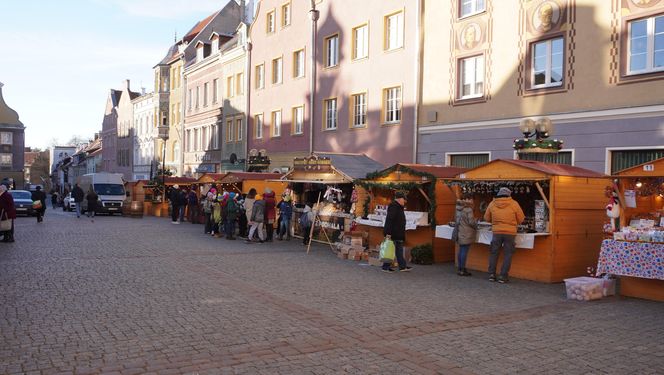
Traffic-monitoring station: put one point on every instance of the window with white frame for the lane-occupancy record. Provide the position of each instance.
(215, 90)
(277, 71)
(187, 141)
(332, 51)
(197, 141)
(547, 63)
(285, 15)
(260, 76)
(470, 7)
(239, 83)
(361, 42)
(198, 89)
(467, 160)
(298, 120)
(623, 159)
(205, 93)
(359, 103)
(331, 114)
(646, 45)
(189, 97)
(560, 157)
(6, 159)
(392, 105)
(205, 140)
(229, 130)
(258, 126)
(298, 64)
(238, 129)
(215, 45)
(270, 22)
(230, 87)
(215, 136)
(394, 31)
(176, 151)
(276, 123)
(199, 53)
(6, 138)
(471, 82)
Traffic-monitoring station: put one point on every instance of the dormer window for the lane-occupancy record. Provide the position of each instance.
(214, 40)
(200, 51)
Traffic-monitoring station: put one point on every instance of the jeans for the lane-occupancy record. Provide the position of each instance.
(463, 255)
(506, 241)
(182, 208)
(193, 213)
(208, 222)
(398, 250)
(78, 209)
(256, 226)
(284, 227)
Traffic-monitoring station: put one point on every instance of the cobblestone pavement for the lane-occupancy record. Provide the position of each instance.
(134, 296)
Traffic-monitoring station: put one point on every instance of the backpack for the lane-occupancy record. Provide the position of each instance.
(304, 220)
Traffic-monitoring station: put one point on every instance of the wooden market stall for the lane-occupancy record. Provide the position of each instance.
(564, 207)
(636, 251)
(242, 182)
(159, 208)
(324, 181)
(429, 202)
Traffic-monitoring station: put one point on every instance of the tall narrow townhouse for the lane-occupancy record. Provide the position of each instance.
(125, 133)
(144, 164)
(109, 131)
(592, 67)
(367, 78)
(203, 92)
(234, 60)
(280, 38)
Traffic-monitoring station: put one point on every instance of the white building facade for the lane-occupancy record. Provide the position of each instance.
(145, 130)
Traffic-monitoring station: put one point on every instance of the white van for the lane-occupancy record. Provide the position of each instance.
(108, 186)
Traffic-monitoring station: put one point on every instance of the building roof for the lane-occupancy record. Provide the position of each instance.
(115, 97)
(7, 115)
(353, 165)
(439, 171)
(550, 169)
(198, 27)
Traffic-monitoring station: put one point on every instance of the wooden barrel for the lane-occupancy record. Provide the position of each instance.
(136, 209)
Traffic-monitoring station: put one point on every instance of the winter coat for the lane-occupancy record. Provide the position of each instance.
(175, 198)
(40, 196)
(77, 194)
(216, 212)
(504, 214)
(232, 210)
(270, 210)
(192, 198)
(285, 210)
(258, 212)
(92, 198)
(395, 222)
(7, 204)
(466, 224)
(249, 207)
(207, 206)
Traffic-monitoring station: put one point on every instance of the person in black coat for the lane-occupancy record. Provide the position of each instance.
(78, 195)
(395, 230)
(92, 198)
(176, 198)
(39, 195)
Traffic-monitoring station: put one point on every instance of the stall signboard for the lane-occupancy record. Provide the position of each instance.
(313, 163)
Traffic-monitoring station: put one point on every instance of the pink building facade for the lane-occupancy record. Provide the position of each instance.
(365, 81)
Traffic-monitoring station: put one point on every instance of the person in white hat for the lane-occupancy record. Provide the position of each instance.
(504, 214)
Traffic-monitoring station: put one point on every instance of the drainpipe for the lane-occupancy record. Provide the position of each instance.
(315, 14)
(247, 89)
(183, 105)
(419, 39)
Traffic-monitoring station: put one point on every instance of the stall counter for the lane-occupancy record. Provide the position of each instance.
(483, 236)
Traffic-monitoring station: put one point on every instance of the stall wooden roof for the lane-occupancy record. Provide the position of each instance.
(210, 177)
(180, 180)
(233, 177)
(439, 171)
(507, 169)
(644, 170)
(345, 169)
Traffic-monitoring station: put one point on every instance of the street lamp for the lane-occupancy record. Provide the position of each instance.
(163, 135)
(536, 133)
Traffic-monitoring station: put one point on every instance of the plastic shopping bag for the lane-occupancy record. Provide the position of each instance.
(387, 251)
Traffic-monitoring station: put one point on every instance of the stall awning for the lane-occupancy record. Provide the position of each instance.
(331, 168)
(235, 177)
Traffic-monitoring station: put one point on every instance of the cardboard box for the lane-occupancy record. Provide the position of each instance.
(342, 256)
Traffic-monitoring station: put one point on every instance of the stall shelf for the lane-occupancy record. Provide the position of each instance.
(332, 173)
(429, 201)
(638, 264)
(564, 207)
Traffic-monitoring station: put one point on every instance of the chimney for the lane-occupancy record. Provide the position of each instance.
(127, 84)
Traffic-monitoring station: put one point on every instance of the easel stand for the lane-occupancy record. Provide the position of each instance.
(313, 225)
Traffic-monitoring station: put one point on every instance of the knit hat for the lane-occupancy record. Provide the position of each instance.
(232, 195)
(504, 192)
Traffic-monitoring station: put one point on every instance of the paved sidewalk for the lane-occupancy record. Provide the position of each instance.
(135, 296)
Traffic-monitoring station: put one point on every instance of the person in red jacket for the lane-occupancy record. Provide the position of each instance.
(270, 212)
(8, 212)
(504, 214)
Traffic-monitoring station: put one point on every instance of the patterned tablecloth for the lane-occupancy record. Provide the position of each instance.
(637, 259)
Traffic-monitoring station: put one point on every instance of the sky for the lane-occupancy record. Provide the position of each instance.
(60, 58)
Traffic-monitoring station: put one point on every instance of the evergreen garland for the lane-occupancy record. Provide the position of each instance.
(406, 185)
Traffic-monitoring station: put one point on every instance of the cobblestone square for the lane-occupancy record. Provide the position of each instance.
(143, 296)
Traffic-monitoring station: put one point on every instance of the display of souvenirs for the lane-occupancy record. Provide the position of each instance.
(652, 234)
(413, 218)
